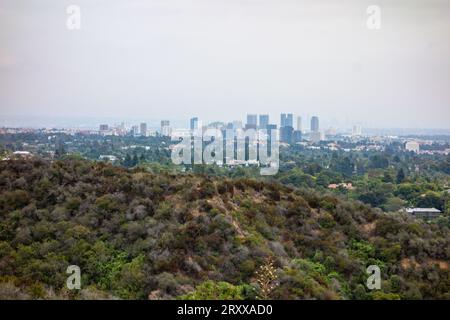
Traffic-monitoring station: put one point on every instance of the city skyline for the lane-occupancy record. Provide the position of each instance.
(93, 124)
(257, 121)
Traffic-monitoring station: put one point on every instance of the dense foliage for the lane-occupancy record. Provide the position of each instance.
(389, 179)
(139, 235)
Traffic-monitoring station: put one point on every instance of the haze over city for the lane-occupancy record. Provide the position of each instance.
(219, 60)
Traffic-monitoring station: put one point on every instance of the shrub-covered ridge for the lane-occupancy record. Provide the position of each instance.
(137, 235)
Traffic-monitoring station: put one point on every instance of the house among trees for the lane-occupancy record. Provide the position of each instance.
(19, 155)
(429, 213)
(348, 186)
(108, 158)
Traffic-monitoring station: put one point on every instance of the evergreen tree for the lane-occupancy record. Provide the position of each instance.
(60, 151)
(400, 175)
(127, 162)
(135, 160)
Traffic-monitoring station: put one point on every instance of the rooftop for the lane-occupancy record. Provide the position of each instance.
(410, 210)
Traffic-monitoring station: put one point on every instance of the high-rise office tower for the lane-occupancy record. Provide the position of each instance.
(286, 127)
(194, 123)
(166, 130)
(135, 130)
(263, 121)
(290, 120)
(143, 129)
(286, 120)
(299, 123)
(252, 121)
(315, 124)
(121, 129)
(104, 127)
(357, 130)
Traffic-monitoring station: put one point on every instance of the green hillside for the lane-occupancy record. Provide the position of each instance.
(137, 235)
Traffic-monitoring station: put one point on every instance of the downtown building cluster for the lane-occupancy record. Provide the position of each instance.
(288, 132)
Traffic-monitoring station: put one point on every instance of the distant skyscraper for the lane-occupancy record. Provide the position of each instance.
(286, 127)
(104, 127)
(290, 120)
(143, 129)
(263, 121)
(315, 124)
(135, 130)
(194, 123)
(252, 120)
(299, 124)
(286, 120)
(166, 130)
(357, 130)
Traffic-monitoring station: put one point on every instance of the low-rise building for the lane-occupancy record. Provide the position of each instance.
(108, 158)
(413, 146)
(22, 154)
(428, 213)
(348, 186)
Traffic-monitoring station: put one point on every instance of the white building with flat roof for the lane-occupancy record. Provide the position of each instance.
(428, 213)
(413, 146)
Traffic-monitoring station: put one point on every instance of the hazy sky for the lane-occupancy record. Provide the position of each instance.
(221, 59)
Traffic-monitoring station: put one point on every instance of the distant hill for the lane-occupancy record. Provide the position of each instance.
(137, 235)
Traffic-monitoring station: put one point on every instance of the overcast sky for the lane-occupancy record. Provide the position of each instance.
(221, 59)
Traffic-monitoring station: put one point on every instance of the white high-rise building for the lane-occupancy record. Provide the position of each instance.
(135, 130)
(357, 130)
(299, 123)
(166, 130)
